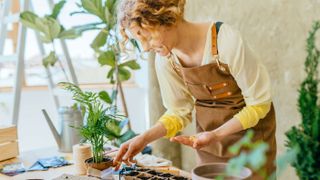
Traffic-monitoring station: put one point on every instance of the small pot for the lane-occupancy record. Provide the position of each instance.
(105, 164)
(212, 170)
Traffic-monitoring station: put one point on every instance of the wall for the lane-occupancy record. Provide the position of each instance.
(277, 30)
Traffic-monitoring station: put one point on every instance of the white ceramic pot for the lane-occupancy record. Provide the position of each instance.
(212, 170)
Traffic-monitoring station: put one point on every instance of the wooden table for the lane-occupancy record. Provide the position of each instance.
(29, 158)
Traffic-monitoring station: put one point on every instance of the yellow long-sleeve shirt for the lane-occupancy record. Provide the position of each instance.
(250, 75)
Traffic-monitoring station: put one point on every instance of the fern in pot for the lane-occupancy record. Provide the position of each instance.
(103, 122)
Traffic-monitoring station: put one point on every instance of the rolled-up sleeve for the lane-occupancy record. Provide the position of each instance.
(175, 98)
(250, 74)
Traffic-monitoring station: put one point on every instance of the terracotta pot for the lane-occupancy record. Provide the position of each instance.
(212, 170)
(105, 164)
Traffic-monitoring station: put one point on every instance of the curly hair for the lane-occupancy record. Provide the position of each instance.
(149, 13)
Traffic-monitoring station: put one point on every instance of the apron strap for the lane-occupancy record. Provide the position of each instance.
(214, 36)
(214, 48)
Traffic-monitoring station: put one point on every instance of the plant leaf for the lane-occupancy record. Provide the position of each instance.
(110, 5)
(236, 164)
(103, 95)
(50, 60)
(110, 73)
(107, 15)
(49, 27)
(107, 58)
(94, 7)
(28, 19)
(132, 64)
(257, 158)
(57, 9)
(100, 39)
(69, 34)
(124, 74)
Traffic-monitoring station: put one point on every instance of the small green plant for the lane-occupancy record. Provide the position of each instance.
(107, 47)
(103, 122)
(254, 157)
(306, 136)
(50, 30)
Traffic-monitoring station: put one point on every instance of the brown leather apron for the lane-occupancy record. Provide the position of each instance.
(218, 99)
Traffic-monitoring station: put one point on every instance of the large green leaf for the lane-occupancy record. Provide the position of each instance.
(49, 27)
(107, 58)
(28, 19)
(100, 39)
(57, 9)
(50, 60)
(124, 74)
(69, 34)
(103, 95)
(132, 64)
(55, 28)
(94, 7)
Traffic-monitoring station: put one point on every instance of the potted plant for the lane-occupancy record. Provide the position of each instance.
(103, 122)
(107, 47)
(305, 138)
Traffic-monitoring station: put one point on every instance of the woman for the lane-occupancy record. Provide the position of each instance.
(206, 66)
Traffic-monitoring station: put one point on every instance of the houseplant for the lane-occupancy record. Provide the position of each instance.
(306, 136)
(103, 123)
(107, 44)
(50, 30)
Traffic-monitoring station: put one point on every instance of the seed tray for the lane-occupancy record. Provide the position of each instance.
(128, 173)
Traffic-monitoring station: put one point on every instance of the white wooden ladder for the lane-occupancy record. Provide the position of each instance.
(7, 18)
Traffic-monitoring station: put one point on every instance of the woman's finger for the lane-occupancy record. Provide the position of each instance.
(197, 145)
(128, 154)
(123, 149)
(183, 140)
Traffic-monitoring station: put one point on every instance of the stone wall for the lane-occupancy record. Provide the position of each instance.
(277, 30)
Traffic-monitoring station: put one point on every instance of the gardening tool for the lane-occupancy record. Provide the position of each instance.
(70, 119)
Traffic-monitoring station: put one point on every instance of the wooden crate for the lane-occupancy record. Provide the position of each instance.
(8, 142)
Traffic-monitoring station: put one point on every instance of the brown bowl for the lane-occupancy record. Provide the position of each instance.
(105, 164)
(213, 170)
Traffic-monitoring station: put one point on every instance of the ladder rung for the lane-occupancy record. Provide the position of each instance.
(8, 58)
(13, 18)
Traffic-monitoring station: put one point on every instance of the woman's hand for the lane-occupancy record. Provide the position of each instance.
(132, 147)
(128, 150)
(198, 141)
(205, 138)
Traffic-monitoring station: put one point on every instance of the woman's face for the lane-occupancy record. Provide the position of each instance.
(160, 40)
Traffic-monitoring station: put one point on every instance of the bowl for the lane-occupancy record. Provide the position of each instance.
(213, 170)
